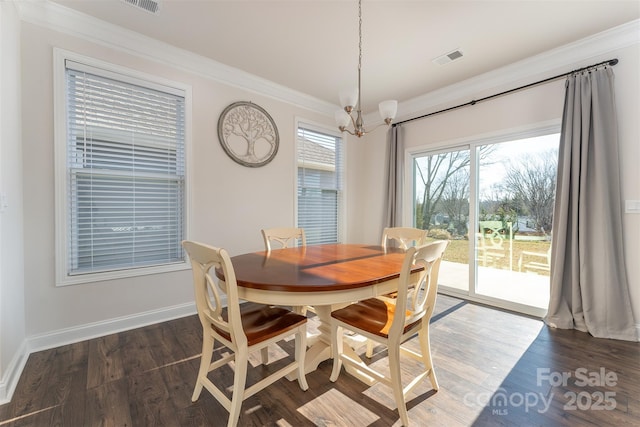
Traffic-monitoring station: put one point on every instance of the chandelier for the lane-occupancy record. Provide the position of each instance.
(350, 99)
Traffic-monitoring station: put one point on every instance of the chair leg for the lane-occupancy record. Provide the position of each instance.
(301, 350)
(336, 338)
(396, 382)
(300, 309)
(205, 361)
(264, 353)
(425, 347)
(239, 384)
(369, 352)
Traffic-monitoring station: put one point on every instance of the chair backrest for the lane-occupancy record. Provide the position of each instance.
(404, 236)
(205, 260)
(285, 237)
(481, 243)
(417, 298)
(490, 232)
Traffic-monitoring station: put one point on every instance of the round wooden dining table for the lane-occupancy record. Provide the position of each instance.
(322, 276)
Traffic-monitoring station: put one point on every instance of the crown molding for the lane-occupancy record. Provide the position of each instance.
(62, 19)
(561, 59)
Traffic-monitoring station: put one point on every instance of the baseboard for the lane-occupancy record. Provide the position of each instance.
(111, 326)
(11, 376)
(80, 333)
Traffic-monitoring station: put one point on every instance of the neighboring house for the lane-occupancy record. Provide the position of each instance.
(312, 155)
(319, 190)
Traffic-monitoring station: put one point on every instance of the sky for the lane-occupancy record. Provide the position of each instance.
(501, 157)
(507, 152)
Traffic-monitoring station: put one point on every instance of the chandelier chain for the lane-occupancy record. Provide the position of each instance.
(359, 34)
(352, 101)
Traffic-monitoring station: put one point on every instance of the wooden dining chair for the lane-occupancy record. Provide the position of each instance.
(285, 237)
(392, 322)
(242, 330)
(403, 236)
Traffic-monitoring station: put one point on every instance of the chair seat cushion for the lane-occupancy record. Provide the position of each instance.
(372, 315)
(262, 322)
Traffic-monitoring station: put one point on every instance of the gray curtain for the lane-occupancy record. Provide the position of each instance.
(589, 287)
(395, 171)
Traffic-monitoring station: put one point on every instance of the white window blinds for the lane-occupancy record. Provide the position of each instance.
(125, 171)
(319, 185)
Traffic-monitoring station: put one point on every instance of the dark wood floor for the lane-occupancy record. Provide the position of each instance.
(494, 368)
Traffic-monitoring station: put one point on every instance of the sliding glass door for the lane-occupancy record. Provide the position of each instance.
(516, 189)
(441, 205)
(494, 201)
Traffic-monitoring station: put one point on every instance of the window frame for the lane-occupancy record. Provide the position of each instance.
(342, 193)
(62, 175)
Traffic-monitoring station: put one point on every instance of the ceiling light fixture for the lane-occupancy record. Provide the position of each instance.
(350, 99)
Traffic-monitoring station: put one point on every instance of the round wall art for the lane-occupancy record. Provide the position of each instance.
(248, 134)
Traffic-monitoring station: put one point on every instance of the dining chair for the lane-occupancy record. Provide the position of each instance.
(284, 236)
(489, 250)
(242, 330)
(392, 322)
(403, 236)
(537, 261)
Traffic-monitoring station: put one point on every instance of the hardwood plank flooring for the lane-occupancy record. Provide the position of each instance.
(494, 368)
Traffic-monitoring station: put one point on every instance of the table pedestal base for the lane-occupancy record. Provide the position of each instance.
(320, 347)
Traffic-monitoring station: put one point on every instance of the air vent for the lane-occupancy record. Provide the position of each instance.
(152, 6)
(448, 57)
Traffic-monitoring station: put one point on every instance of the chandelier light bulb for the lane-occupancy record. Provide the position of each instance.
(349, 98)
(388, 110)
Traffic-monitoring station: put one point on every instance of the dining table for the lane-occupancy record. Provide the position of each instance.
(325, 276)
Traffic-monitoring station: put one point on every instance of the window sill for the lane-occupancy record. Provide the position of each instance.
(78, 279)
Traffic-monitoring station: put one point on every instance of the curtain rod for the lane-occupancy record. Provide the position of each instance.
(611, 62)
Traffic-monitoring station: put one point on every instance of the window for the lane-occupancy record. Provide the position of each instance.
(123, 187)
(320, 192)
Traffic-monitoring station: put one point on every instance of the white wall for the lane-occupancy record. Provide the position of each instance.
(230, 203)
(12, 309)
(536, 105)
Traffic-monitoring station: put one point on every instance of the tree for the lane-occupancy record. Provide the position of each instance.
(455, 201)
(436, 171)
(532, 181)
(497, 204)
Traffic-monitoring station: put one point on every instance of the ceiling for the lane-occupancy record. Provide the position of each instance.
(312, 45)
